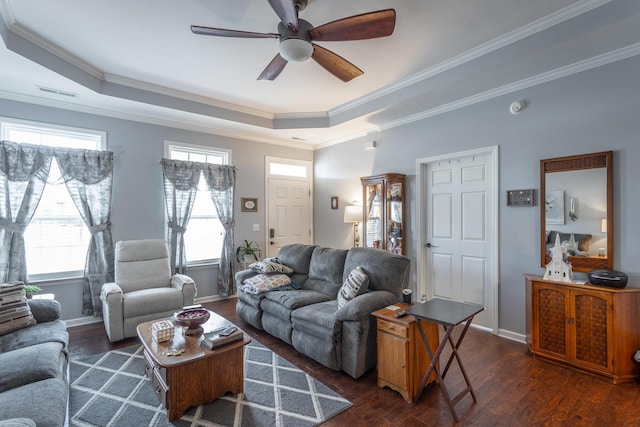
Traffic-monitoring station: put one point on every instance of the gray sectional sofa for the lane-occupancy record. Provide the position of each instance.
(309, 318)
(34, 386)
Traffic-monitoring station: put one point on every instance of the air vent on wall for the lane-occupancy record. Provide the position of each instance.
(57, 92)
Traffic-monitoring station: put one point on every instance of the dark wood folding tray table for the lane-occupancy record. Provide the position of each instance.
(449, 314)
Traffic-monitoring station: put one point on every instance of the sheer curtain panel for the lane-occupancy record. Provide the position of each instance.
(221, 181)
(88, 175)
(180, 186)
(24, 170)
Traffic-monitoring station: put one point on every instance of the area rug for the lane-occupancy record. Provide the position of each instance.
(110, 389)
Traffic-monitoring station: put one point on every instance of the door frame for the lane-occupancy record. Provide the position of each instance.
(308, 164)
(422, 182)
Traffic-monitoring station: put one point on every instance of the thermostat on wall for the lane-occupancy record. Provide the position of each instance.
(521, 197)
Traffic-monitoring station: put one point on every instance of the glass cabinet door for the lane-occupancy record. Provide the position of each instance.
(395, 219)
(383, 197)
(373, 215)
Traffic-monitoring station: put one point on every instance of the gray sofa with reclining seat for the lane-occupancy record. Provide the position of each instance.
(309, 318)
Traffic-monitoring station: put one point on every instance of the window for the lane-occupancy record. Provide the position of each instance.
(56, 239)
(203, 238)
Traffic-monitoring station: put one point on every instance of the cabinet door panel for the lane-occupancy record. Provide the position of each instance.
(393, 366)
(551, 306)
(592, 329)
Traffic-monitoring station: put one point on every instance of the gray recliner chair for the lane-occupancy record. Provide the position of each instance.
(144, 288)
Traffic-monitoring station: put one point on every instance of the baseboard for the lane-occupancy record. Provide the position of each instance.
(512, 336)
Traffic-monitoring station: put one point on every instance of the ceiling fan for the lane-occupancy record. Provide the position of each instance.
(297, 37)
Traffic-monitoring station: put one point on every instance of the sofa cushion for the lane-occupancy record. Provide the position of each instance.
(262, 283)
(290, 300)
(270, 267)
(18, 422)
(355, 285)
(30, 364)
(43, 401)
(326, 271)
(149, 301)
(55, 331)
(14, 311)
(316, 319)
(45, 310)
(297, 256)
(386, 271)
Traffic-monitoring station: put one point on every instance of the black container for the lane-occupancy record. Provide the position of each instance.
(608, 278)
(406, 296)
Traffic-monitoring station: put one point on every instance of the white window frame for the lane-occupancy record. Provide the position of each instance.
(8, 124)
(170, 146)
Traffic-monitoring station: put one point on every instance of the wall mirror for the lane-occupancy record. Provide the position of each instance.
(576, 203)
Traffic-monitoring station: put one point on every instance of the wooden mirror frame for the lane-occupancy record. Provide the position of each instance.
(571, 163)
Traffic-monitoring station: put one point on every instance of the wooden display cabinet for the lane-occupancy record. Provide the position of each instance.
(402, 357)
(591, 328)
(384, 212)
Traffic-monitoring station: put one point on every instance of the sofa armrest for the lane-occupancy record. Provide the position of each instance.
(45, 310)
(112, 298)
(187, 286)
(244, 274)
(363, 305)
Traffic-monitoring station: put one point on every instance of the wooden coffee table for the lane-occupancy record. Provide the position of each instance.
(197, 375)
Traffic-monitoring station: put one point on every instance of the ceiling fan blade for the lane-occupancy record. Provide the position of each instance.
(274, 68)
(358, 27)
(286, 11)
(335, 64)
(221, 32)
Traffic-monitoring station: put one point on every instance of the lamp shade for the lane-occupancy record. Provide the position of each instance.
(353, 213)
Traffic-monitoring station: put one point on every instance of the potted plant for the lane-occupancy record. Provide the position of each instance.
(29, 290)
(248, 251)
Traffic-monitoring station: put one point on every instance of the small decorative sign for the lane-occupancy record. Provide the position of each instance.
(521, 197)
(334, 202)
(249, 204)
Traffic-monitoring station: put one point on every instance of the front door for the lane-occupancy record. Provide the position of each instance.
(459, 247)
(289, 205)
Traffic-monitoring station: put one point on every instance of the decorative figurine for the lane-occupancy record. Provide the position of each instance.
(558, 269)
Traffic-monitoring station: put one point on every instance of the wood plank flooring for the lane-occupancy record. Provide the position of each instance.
(513, 388)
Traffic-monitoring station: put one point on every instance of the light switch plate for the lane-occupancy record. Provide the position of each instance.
(256, 227)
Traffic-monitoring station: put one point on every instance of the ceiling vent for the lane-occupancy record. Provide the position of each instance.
(57, 92)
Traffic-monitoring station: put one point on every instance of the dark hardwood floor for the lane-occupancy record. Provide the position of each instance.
(513, 388)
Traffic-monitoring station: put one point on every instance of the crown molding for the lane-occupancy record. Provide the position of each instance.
(147, 119)
(558, 73)
(541, 24)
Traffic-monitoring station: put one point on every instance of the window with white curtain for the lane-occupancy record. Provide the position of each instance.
(56, 239)
(203, 238)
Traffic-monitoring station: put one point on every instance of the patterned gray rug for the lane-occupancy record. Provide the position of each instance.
(110, 389)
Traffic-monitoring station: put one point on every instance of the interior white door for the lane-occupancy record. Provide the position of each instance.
(289, 206)
(459, 232)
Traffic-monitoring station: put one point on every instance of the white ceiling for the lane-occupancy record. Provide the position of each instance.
(139, 60)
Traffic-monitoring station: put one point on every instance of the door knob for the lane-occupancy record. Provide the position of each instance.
(272, 243)
(429, 245)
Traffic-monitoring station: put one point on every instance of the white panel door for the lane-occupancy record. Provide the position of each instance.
(460, 202)
(288, 222)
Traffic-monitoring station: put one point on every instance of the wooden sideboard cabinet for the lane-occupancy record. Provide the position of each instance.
(591, 328)
(402, 357)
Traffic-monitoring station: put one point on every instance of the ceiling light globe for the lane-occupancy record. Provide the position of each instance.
(296, 50)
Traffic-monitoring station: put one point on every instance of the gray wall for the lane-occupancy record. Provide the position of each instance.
(137, 203)
(592, 111)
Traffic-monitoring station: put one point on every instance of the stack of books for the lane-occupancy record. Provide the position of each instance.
(220, 337)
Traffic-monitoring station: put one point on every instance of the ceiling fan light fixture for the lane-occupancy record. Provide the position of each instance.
(295, 49)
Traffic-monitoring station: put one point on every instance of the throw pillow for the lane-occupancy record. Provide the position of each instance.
(264, 282)
(14, 311)
(356, 284)
(268, 267)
